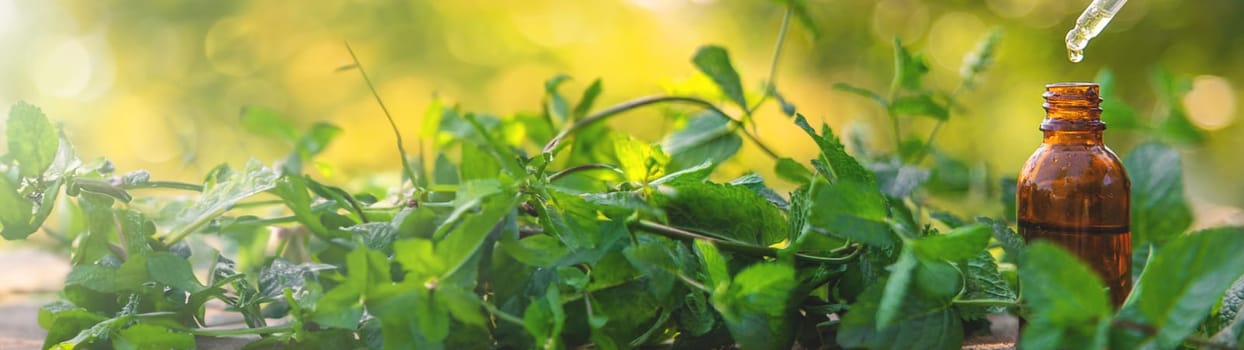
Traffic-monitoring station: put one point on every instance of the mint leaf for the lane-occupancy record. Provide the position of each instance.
(716, 208)
(698, 173)
(589, 98)
(463, 242)
(757, 184)
(15, 211)
(279, 275)
(934, 280)
(1159, 209)
(851, 210)
(707, 137)
(90, 336)
(715, 270)
(640, 161)
(476, 164)
(909, 69)
(959, 244)
(851, 206)
(32, 139)
(555, 105)
(983, 281)
(63, 321)
(628, 310)
(148, 336)
(222, 195)
(292, 189)
(544, 319)
(575, 222)
(834, 162)
(1068, 300)
(174, 271)
(418, 258)
(311, 144)
(920, 324)
(844, 87)
(791, 170)
(714, 61)
(1228, 320)
(267, 122)
(654, 259)
(340, 308)
(462, 304)
(694, 315)
(409, 316)
(433, 120)
(896, 288)
(919, 105)
(1011, 241)
(755, 306)
(1183, 282)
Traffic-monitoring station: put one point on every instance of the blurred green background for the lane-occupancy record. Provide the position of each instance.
(159, 85)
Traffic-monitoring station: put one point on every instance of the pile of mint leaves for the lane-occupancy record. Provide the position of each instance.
(553, 230)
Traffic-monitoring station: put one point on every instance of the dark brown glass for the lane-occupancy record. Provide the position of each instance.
(1074, 192)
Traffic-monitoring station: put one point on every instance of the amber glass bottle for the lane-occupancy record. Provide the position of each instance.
(1074, 192)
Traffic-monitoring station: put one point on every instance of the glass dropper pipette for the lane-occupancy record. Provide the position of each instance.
(1090, 23)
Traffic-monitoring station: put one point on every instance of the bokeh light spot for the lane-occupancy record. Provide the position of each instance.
(63, 70)
(8, 16)
(1211, 103)
(953, 35)
(905, 19)
(1012, 8)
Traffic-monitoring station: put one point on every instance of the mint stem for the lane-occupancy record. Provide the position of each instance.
(985, 302)
(173, 185)
(241, 331)
(556, 143)
(401, 149)
(773, 64)
(738, 247)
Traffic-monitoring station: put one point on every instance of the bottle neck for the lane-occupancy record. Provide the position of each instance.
(1072, 114)
(1073, 137)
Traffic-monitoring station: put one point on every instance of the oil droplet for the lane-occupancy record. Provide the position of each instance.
(1075, 55)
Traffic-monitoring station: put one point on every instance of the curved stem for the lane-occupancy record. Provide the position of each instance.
(501, 315)
(258, 204)
(401, 150)
(928, 144)
(156, 314)
(584, 167)
(773, 63)
(738, 247)
(985, 302)
(163, 184)
(241, 331)
(556, 143)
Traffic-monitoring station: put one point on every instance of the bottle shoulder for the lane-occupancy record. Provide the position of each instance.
(1075, 163)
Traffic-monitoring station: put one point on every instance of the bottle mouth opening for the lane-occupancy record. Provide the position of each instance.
(1070, 84)
(1073, 96)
